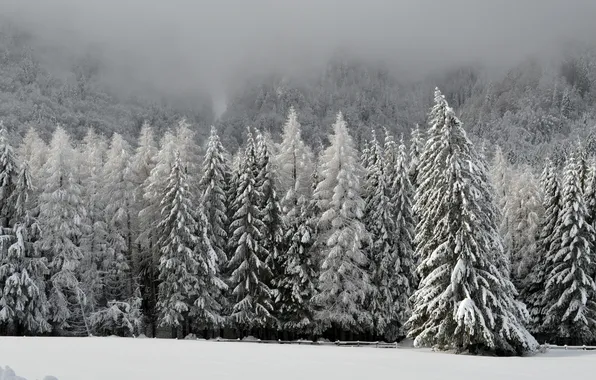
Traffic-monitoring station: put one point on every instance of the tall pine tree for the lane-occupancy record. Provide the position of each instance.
(464, 301)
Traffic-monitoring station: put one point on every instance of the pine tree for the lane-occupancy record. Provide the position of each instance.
(533, 292)
(23, 302)
(188, 264)
(293, 163)
(142, 165)
(61, 219)
(379, 222)
(33, 150)
(94, 240)
(250, 272)
(403, 281)
(343, 282)
(117, 192)
(464, 301)
(590, 194)
(148, 218)
(416, 148)
(522, 213)
(8, 176)
(272, 235)
(213, 187)
(296, 286)
(570, 292)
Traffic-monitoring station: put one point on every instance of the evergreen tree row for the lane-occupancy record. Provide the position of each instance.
(101, 238)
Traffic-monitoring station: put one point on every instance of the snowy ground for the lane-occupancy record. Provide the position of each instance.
(147, 359)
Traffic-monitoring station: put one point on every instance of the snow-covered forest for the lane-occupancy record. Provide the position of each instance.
(349, 204)
(428, 240)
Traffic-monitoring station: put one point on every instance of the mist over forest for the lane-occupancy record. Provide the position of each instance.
(504, 66)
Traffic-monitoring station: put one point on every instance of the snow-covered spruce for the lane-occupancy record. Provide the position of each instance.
(271, 238)
(23, 303)
(187, 264)
(250, 273)
(62, 218)
(343, 281)
(570, 289)
(416, 148)
(546, 242)
(522, 212)
(295, 287)
(464, 302)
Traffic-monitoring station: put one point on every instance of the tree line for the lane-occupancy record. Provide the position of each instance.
(277, 241)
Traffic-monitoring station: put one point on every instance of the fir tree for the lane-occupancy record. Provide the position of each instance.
(117, 193)
(250, 272)
(464, 301)
(570, 310)
(143, 162)
(343, 282)
(296, 286)
(188, 264)
(403, 281)
(271, 214)
(416, 148)
(522, 214)
(8, 176)
(61, 219)
(213, 186)
(379, 222)
(533, 292)
(23, 302)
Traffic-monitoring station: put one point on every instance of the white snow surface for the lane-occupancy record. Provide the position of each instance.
(128, 359)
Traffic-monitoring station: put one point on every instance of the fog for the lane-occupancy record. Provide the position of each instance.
(178, 44)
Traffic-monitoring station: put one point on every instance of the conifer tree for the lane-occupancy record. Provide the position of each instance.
(93, 241)
(416, 148)
(533, 291)
(8, 177)
(33, 150)
(570, 310)
(142, 165)
(379, 222)
(464, 301)
(188, 264)
(522, 214)
(23, 302)
(343, 283)
(117, 193)
(296, 286)
(213, 187)
(61, 219)
(270, 208)
(250, 272)
(403, 282)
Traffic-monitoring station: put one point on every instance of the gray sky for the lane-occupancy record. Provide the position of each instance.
(180, 43)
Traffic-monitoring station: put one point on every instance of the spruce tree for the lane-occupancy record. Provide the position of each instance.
(403, 281)
(546, 243)
(142, 164)
(250, 272)
(23, 302)
(380, 223)
(61, 218)
(271, 214)
(117, 192)
(8, 176)
(570, 304)
(187, 264)
(416, 148)
(296, 285)
(343, 283)
(522, 214)
(213, 187)
(464, 301)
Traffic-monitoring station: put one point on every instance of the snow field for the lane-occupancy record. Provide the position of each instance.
(159, 359)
